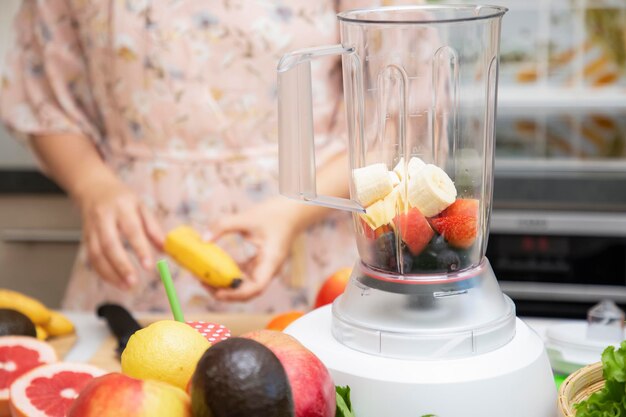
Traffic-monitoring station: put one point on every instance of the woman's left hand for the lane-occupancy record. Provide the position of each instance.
(271, 226)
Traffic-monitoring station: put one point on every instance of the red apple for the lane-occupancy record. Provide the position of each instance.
(372, 234)
(118, 395)
(333, 287)
(414, 230)
(312, 388)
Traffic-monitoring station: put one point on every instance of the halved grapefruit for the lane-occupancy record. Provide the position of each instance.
(50, 390)
(18, 355)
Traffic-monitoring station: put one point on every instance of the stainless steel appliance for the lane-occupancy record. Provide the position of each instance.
(558, 241)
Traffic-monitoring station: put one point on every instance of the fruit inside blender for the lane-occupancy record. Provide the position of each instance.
(415, 222)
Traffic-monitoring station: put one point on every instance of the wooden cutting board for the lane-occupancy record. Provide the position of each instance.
(106, 356)
(63, 344)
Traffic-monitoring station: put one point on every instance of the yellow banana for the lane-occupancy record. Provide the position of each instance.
(33, 309)
(59, 325)
(42, 334)
(210, 263)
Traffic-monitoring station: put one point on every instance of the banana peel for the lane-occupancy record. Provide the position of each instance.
(207, 261)
(33, 309)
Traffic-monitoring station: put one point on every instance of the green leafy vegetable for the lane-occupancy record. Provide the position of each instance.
(611, 400)
(344, 405)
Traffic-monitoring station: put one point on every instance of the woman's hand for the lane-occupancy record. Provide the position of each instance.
(271, 227)
(113, 216)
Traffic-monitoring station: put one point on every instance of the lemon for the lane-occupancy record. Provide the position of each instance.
(166, 351)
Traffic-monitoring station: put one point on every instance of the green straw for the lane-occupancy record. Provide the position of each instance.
(166, 277)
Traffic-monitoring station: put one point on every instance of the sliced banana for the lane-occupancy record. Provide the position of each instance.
(393, 177)
(431, 190)
(371, 183)
(413, 167)
(383, 211)
(399, 169)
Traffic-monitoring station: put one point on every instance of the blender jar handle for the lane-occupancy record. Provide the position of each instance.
(295, 123)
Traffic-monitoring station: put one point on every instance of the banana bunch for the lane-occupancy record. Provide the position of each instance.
(385, 193)
(48, 323)
(207, 261)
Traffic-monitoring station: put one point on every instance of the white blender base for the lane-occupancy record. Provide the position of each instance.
(512, 381)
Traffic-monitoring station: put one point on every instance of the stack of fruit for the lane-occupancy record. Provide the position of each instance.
(170, 369)
(26, 316)
(413, 221)
(32, 381)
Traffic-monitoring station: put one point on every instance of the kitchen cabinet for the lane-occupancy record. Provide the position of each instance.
(39, 237)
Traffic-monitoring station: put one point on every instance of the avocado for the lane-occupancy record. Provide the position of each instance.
(240, 377)
(14, 323)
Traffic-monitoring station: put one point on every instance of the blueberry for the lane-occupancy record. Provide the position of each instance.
(385, 249)
(424, 262)
(437, 244)
(468, 256)
(448, 260)
(407, 260)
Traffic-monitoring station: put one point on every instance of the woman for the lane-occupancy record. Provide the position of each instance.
(151, 114)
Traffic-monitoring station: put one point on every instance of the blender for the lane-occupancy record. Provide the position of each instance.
(422, 327)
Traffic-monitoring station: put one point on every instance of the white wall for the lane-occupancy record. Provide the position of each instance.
(12, 154)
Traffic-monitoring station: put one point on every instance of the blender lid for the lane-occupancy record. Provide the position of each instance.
(426, 14)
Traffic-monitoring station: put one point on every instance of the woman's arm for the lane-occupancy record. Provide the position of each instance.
(332, 180)
(111, 212)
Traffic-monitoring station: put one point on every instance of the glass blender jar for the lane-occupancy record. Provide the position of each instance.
(422, 320)
(420, 89)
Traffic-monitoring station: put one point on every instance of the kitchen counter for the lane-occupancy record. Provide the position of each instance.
(92, 333)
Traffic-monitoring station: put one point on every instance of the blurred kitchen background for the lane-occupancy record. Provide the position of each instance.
(558, 232)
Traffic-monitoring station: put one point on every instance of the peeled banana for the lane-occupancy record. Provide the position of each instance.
(383, 211)
(431, 190)
(371, 183)
(399, 169)
(33, 309)
(413, 167)
(210, 263)
(393, 177)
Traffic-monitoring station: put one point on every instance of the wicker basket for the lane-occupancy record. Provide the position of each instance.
(579, 386)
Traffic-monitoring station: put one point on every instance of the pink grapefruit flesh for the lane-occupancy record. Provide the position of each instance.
(50, 390)
(18, 355)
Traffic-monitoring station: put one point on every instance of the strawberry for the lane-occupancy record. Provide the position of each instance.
(462, 206)
(459, 230)
(414, 230)
(368, 232)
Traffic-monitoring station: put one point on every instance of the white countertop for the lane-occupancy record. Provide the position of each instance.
(92, 332)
